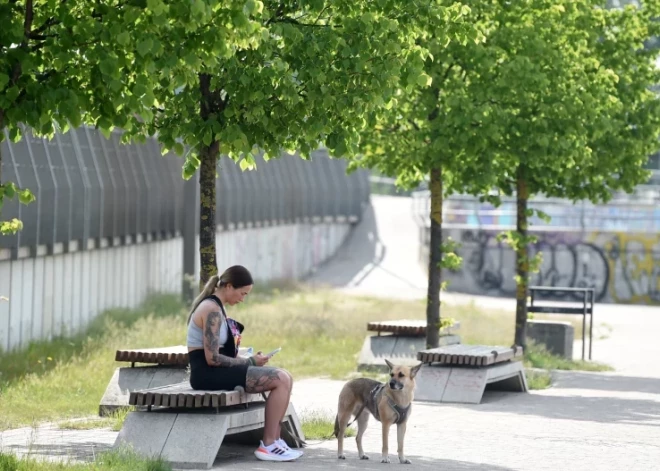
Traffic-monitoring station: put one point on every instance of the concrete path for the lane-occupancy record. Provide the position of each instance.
(586, 421)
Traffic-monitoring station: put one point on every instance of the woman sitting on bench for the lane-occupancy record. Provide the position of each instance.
(213, 342)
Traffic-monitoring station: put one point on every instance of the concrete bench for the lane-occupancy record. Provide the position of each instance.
(403, 339)
(461, 373)
(162, 366)
(186, 427)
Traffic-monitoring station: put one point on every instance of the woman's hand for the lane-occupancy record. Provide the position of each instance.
(259, 359)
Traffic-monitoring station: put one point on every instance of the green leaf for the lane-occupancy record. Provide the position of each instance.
(9, 190)
(108, 66)
(4, 80)
(10, 227)
(178, 148)
(26, 196)
(247, 163)
(123, 38)
(190, 166)
(156, 6)
(144, 46)
(424, 80)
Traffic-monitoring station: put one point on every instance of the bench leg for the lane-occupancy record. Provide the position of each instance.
(186, 441)
(292, 432)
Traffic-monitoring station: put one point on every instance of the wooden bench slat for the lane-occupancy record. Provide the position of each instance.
(472, 355)
(174, 355)
(181, 395)
(405, 327)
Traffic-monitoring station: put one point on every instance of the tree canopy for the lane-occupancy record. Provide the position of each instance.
(67, 63)
(311, 74)
(557, 99)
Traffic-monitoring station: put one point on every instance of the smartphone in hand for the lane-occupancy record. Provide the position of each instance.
(269, 355)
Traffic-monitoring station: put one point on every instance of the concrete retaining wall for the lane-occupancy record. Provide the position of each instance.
(54, 295)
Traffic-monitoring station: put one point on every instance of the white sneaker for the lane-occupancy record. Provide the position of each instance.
(275, 452)
(283, 444)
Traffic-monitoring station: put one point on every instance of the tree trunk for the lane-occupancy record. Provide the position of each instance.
(2, 130)
(435, 259)
(522, 260)
(208, 157)
(207, 226)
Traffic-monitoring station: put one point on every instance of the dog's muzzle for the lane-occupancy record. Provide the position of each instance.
(394, 384)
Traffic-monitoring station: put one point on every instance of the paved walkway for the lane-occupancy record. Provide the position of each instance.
(586, 421)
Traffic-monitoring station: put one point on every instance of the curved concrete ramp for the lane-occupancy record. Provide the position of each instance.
(380, 256)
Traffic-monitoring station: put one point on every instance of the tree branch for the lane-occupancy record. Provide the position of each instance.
(293, 21)
(47, 24)
(27, 29)
(319, 17)
(41, 37)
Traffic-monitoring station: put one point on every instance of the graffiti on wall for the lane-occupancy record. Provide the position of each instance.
(620, 267)
(634, 261)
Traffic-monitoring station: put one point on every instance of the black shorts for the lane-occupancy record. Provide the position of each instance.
(213, 378)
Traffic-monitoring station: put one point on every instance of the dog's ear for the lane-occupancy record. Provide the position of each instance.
(390, 365)
(414, 370)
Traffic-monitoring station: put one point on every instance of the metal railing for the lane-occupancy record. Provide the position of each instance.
(91, 190)
(637, 213)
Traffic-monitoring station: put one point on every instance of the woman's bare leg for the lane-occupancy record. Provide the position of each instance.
(279, 425)
(278, 382)
(288, 399)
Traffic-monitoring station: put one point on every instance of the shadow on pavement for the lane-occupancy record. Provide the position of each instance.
(605, 382)
(320, 458)
(600, 409)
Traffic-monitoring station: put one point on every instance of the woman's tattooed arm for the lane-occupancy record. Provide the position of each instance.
(214, 322)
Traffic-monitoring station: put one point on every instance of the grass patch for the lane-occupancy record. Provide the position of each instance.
(115, 460)
(72, 383)
(113, 421)
(537, 356)
(320, 333)
(538, 379)
(318, 425)
(41, 357)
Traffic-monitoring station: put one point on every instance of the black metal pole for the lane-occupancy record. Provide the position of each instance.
(584, 321)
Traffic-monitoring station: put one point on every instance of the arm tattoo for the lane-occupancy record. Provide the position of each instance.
(261, 378)
(215, 322)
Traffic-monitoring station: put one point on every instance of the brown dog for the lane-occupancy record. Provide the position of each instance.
(389, 403)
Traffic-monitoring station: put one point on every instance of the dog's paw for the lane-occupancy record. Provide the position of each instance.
(364, 457)
(404, 460)
(386, 459)
(341, 457)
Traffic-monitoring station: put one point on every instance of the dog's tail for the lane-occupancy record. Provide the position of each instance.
(336, 433)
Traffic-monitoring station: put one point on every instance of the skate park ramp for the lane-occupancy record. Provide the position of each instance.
(380, 255)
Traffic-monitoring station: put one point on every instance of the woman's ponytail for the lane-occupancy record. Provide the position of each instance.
(208, 290)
